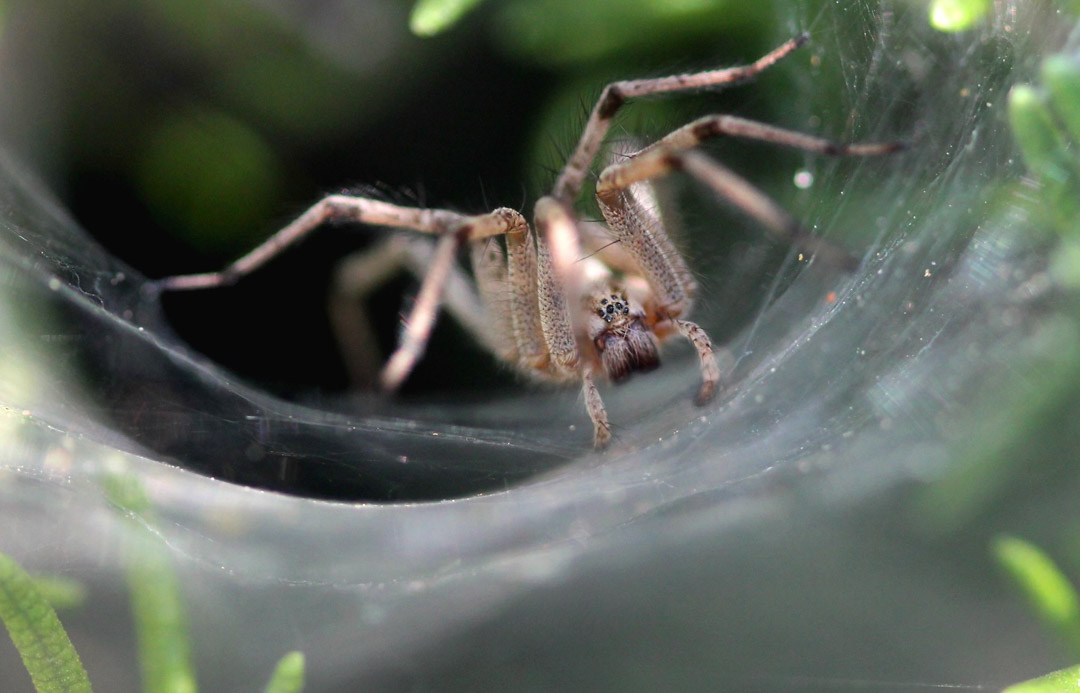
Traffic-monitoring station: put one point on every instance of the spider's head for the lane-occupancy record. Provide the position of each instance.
(622, 337)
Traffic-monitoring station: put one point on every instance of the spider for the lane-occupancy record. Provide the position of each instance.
(554, 301)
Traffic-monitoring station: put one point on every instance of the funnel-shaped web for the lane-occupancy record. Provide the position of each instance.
(746, 542)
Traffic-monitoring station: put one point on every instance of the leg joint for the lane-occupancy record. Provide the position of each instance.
(610, 101)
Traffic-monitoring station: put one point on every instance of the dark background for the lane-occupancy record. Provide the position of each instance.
(181, 135)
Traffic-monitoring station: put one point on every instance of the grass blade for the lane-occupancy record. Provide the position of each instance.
(288, 675)
(42, 643)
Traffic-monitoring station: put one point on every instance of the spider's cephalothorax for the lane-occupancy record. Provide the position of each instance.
(619, 330)
(533, 302)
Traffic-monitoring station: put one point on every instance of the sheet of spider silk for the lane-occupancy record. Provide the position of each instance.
(824, 525)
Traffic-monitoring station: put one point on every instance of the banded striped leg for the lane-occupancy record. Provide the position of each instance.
(453, 230)
(554, 220)
(696, 131)
(421, 319)
(744, 195)
(328, 209)
(642, 236)
(364, 272)
(595, 406)
(670, 153)
(568, 184)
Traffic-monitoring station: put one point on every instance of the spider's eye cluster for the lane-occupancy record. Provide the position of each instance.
(616, 306)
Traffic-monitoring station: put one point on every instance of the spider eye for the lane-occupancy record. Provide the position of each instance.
(600, 312)
(610, 309)
(603, 301)
(626, 310)
(607, 318)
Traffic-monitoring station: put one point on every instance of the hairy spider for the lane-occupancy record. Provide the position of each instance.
(536, 303)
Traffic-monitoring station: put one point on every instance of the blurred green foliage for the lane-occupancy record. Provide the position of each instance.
(211, 175)
(1062, 681)
(1019, 417)
(288, 676)
(27, 611)
(1015, 421)
(957, 15)
(1026, 422)
(60, 591)
(562, 33)
(430, 17)
(1047, 591)
(1045, 119)
(160, 622)
(42, 643)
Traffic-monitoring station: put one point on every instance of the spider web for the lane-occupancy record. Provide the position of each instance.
(750, 544)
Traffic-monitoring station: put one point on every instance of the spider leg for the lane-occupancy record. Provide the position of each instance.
(569, 182)
(362, 273)
(744, 195)
(554, 220)
(556, 289)
(492, 281)
(710, 370)
(642, 236)
(453, 230)
(595, 406)
(421, 319)
(330, 208)
(696, 131)
(670, 154)
(526, 290)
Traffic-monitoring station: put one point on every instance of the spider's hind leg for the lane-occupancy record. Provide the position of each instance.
(361, 274)
(421, 318)
(674, 152)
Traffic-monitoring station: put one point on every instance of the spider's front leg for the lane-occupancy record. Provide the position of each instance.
(555, 223)
(641, 234)
(451, 228)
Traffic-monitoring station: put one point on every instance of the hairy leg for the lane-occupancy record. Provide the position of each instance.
(421, 319)
(672, 153)
(329, 209)
(363, 273)
(568, 184)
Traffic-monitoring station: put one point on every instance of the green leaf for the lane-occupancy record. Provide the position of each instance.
(1046, 589)
(561, 33)
(1033, 126)
(1012, 416)
(288, 675)
(1054, 682)
(1045, 148)
(1070, 6)
(1061, 77)
(42, 643)
(61, 592)
(164, 647)
(957, 15)
(431, 17)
